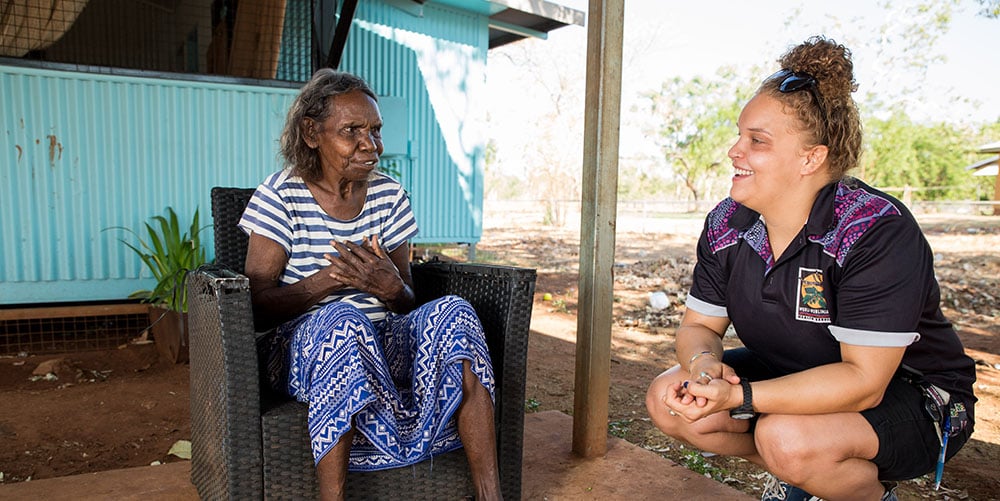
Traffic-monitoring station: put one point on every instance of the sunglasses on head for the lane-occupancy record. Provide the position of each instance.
(793, 81)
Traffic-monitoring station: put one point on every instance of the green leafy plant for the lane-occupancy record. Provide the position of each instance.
(619, 428)
(169, 253)
(560, 306)
(531, 405)
(695, 461)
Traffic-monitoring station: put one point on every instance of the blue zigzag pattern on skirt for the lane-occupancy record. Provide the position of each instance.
(400, 378)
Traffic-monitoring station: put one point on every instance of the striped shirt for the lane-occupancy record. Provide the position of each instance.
(283, 210)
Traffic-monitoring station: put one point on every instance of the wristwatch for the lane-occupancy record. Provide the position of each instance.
(744, 411)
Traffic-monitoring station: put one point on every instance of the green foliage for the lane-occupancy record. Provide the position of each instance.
(504, 187)
(531, 405)
(559, 305)
(694, 124)
(499, 185)
(169, 254)
(695, 461)
(619, 428)
(693, 121)
(922, 161)
(645, 179)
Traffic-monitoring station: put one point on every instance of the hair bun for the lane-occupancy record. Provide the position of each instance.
(836, 122)
(827, 61)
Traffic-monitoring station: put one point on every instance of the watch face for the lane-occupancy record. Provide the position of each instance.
(735, 414)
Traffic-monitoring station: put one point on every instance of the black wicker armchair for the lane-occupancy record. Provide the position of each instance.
(250, 444)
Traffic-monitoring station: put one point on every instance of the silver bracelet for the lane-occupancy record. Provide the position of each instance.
(696, 355)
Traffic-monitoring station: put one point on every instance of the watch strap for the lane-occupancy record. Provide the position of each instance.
(744, 411)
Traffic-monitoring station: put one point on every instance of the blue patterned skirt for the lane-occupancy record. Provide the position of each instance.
(399, 380)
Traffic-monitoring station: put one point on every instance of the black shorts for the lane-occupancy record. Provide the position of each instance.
(908, 441)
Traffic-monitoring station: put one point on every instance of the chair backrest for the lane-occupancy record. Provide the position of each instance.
(230, 241)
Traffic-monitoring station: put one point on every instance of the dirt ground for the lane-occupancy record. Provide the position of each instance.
(126, 407)
(106, 410)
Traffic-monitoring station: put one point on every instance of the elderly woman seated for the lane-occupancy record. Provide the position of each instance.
(387, 385)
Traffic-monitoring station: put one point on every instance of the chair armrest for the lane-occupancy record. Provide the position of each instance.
(502, 297)
(226, 457)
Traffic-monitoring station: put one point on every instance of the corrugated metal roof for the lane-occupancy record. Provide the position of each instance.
(522, 18)
(510, 20)
(990, 148)
(986, 167)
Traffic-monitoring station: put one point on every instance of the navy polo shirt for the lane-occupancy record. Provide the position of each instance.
(860, 272)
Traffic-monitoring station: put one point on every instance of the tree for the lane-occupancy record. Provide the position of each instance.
(498, 185)
(642, 177)
(922, 161)
(547, 103)
(693, 123)
(906, 45)
(991, 8)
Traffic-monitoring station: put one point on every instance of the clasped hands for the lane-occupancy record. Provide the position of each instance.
(710, 389)
(366, 267)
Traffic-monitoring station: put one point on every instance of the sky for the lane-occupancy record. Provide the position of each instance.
(691, 38)
(667, 38)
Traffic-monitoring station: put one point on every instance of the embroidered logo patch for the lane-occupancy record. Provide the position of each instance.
(812, 305)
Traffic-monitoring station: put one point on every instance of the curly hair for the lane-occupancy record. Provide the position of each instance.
(835, 122)
(313, 102)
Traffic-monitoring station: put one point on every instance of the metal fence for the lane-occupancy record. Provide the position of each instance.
(67, 329)
(666, 216)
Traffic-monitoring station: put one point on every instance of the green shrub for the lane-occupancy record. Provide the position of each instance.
(169, 254)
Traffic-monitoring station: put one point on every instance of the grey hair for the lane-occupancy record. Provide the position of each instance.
(313, 103)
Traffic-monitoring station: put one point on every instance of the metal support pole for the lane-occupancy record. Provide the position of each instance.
(340, 33)
(597, 226)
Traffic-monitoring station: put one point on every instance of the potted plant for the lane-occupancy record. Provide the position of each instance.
(169, 253)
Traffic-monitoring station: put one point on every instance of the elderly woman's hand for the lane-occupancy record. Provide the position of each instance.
(366, 267)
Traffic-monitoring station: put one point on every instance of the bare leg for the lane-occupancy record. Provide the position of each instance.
(476, 429)
(826, 454)
(859, 481)
(331, 472)
(716, 433)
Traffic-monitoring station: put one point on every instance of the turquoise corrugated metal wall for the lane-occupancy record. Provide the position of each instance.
(437, 63)
(83, 152)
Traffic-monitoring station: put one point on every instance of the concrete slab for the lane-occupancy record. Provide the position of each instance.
(551, 472)
(627, 472)
(166, 482)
